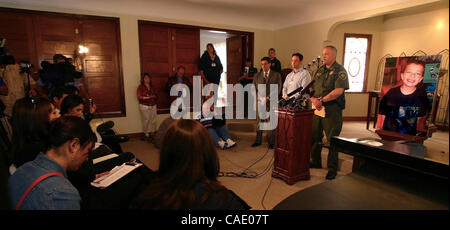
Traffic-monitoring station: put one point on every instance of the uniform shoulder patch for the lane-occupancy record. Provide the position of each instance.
(342, 74)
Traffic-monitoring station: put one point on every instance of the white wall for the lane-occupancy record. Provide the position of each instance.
(423, 28)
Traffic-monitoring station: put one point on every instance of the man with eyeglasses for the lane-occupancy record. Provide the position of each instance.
(403, 106)
(266, 77)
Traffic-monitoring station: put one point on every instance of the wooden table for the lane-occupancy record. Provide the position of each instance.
(393, 176)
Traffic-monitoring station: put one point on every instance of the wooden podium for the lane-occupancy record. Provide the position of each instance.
(293, 145)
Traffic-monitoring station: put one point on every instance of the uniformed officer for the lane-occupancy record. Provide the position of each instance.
(275, 64)
(330, 82)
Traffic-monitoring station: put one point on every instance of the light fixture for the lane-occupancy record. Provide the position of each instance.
(217, 32)
(82, 49)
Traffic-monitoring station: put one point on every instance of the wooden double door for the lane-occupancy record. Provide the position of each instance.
(36, 36)
(164, 47)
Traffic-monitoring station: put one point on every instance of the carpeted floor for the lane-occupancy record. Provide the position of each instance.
(263, 191)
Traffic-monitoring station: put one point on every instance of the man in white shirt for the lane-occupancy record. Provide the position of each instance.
(298, 77)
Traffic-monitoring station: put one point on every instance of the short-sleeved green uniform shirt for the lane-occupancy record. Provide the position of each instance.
(328, 79)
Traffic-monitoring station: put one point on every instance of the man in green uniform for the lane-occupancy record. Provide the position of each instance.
(330, 82)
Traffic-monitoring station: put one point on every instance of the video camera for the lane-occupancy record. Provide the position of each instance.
(59, 73)
(5, 59)
(25, 67)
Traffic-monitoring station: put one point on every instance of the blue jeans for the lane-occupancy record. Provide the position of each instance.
(219, 132)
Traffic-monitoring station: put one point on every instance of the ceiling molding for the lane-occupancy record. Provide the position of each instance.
(255, 14)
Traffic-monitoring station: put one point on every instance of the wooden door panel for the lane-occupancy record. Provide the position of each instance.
(234, 59)
(156, 53)
(50, 48)
(17, 28)
(57, 26)
(187, 45)
(97, 49)
(102, 67)
(156, 69)
(105, 97)
(55, 35)
(162, 49)
(38, 36)
(99, 30)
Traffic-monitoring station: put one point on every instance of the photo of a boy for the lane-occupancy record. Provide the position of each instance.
(404, 108)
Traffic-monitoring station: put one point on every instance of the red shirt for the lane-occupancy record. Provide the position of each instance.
(143, 91)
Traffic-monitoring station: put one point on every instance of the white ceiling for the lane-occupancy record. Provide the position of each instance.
(259, 14)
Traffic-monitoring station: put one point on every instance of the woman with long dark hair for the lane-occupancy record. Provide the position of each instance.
(187, 176)
(210, 65)
(30, 124)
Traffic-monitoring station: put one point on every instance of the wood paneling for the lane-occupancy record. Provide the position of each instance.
(162, 49)
(36, 36)
(102, 64)
(55, 34)
(17, 28)
(234, 56)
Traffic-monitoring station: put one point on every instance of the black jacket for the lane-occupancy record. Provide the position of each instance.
(211, 68)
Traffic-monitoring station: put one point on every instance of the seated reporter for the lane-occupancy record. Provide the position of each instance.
(31, 119)
(187, 176)
(73, 105)
(216, 127)
(70, 140)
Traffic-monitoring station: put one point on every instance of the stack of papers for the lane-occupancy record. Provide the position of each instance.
(115, 174)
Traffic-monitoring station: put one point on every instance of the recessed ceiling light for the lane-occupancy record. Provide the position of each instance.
(217, 32)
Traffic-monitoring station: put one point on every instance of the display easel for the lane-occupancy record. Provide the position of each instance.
(440, 100)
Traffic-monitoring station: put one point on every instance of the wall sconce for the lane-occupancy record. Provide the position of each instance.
(79, 56)
(82, 49)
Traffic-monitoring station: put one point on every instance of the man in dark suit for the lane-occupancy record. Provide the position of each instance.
(266, 77)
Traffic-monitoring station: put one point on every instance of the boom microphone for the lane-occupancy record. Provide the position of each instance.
(307, 87)
(295, 91)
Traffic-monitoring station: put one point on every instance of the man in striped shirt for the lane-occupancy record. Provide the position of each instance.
(299, 77)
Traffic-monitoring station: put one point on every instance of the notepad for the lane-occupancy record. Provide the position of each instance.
(320, 113)
(115, 174)
(104, 158)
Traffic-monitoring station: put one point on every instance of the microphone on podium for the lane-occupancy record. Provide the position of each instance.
(306, 89)
(295, 91)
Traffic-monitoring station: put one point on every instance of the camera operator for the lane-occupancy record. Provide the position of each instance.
(3, 87)
(16, 83)
(60, 73)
